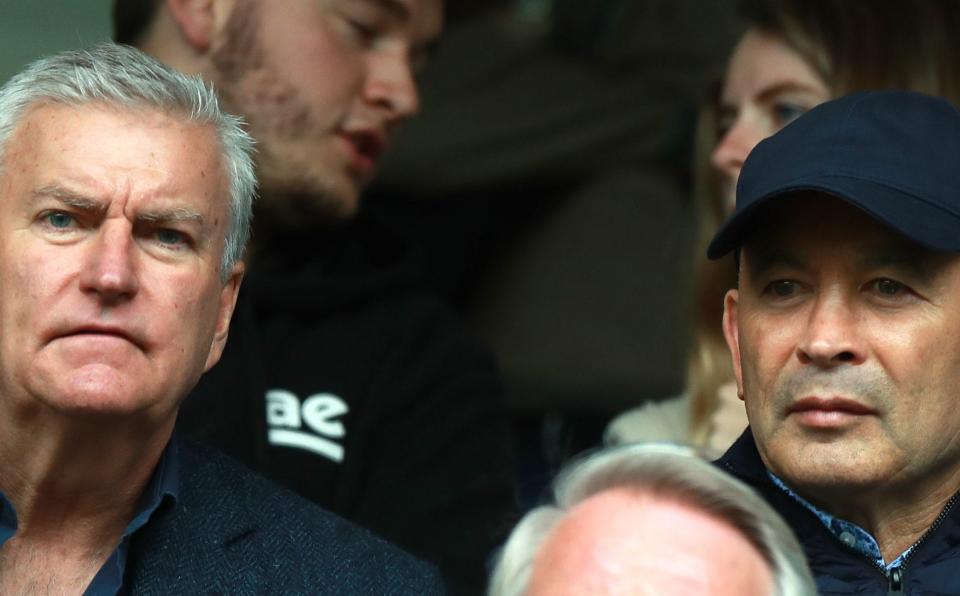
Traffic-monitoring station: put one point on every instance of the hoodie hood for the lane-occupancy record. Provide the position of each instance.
(316, 271)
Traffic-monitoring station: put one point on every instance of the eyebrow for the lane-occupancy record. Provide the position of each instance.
(69, 198)
(761, 260)
(400, 10)
(785, 87)
(727, 107)
(919, 262)
(86, 203)
(175, 215)
(396, 7)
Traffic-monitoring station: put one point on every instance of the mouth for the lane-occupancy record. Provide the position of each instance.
(97, 331)
(367, 146)
(829, 412)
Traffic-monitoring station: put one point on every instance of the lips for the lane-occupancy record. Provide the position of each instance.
(99, 330)
(833, 404)
(829, 413)
(367, 146)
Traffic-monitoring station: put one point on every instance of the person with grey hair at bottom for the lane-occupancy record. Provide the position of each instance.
(651, 519)
(126, 206)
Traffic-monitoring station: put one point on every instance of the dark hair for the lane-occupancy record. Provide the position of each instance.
(131, 19)
(877, 44)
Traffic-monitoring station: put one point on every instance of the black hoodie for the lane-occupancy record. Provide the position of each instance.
(342, 383)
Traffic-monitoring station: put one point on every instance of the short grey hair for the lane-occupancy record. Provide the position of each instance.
(123, 77)
(670, 472)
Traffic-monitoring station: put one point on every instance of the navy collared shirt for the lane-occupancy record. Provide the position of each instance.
(163, 484)
(847, 532)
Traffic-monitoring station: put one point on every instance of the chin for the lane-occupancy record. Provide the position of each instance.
(830, 467)
(310, 200)
(96, 393)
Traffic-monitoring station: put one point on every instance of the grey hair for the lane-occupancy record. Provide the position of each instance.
(123, 77)
(666, 471)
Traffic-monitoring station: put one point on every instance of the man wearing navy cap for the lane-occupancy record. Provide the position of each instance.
(845, 336)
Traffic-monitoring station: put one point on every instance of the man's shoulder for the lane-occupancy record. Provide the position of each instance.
(233, 530)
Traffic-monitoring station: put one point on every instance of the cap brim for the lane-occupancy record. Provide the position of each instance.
(920, 220)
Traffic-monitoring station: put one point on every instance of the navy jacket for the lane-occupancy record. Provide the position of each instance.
(232, 532)
(932, 568)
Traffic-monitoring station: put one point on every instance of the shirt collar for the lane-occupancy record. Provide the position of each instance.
(846, 532)
(164, 482)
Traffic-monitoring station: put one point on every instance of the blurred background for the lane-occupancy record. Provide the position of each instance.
(31, 28)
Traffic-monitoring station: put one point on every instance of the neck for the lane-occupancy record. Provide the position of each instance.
(74, 479)
(898, 518)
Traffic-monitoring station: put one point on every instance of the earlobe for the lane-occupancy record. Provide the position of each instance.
(196, 21)
(731, 332)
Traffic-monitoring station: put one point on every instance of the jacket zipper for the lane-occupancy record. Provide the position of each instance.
(895, 578)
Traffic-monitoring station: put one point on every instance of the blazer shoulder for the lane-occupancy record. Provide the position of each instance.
(230, 528)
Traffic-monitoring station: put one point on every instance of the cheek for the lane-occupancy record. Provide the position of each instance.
(767, 348)
(917, 353)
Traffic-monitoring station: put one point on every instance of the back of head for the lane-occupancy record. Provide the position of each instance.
(670, 473)
(119, 77)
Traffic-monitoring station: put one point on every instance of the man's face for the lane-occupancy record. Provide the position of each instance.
(323, 85)
(619, 542)
(846, 346)
(111, 232)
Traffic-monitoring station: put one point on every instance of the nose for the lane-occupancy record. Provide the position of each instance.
(109, 268)
(391, 84)
(729, 154)
(832, 335)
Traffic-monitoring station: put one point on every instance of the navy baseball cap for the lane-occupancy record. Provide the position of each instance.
(893, 154)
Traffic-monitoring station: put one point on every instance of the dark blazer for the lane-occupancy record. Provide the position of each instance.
(232, 532)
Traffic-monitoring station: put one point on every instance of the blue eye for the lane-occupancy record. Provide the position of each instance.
(786, 112)
(171, 237)
(60, 220)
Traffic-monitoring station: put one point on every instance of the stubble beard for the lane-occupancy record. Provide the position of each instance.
(831, 464)
(295, 192)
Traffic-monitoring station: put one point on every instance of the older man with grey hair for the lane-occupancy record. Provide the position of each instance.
(126, 207)
(651, 519)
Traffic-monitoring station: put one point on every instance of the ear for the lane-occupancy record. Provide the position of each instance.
(196, 21)
(228, 301)
(731, 332)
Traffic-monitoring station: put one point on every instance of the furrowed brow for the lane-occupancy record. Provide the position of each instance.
(69, 198)
(176, 215)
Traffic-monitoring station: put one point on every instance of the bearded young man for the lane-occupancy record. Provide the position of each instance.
(340, 382)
